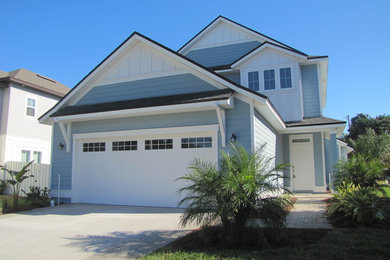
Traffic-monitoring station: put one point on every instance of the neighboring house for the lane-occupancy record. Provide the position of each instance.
(24, 97)
(135, 122)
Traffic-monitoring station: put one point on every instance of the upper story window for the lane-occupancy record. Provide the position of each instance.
(30, 108)
(25, 156)
(285, 78)
(253, 80)
(37, 157)
(269, 79)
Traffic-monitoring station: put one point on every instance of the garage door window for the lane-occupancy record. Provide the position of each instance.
(124, 146)
(196, 142)
(94, 147)
(158, 144)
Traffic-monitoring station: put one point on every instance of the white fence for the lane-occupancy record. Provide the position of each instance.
(41, 174)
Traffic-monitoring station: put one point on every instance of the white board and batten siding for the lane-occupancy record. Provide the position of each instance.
(140, 62)
(222, 34)
(41, 173)
(288, 102)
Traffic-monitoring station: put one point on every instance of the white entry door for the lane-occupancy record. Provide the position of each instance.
(302, 162)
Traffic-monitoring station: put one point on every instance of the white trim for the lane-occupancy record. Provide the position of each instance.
(66, 133)
(222, 124)
(323, 157)
(252, 125)
(337, 128)
(152, 131)
(27, 106)
(262, 48)
(202, 106)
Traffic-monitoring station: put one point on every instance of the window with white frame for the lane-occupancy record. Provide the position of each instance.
(269, 79)
(30, 108)
(25, 156)
(196, 142)
(285, 78)
(37, 157)
(253, 80)
(158, 144)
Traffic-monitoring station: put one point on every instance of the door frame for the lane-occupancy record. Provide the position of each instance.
(301, 136)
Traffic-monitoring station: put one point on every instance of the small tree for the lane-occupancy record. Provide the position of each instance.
(244, 186)
(17, 177)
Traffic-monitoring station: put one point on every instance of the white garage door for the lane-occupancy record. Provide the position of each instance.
(137, 169)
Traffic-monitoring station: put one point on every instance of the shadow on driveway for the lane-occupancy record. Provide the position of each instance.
(126, 244)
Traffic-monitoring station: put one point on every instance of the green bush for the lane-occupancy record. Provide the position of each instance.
(361, 205)
(361, 171)
(3, 186)
(244, 186)
(38, 197)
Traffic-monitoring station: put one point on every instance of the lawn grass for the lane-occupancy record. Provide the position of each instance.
(343, 243)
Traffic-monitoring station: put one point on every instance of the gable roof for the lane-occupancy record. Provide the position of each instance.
(35, 81)
(198, 67)
(221, 18)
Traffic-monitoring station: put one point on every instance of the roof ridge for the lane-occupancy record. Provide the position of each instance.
(243, 26)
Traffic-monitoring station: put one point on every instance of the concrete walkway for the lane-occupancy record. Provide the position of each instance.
(308, 212)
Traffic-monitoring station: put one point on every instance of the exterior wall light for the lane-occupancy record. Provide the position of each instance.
(61, 146)
(233, 138)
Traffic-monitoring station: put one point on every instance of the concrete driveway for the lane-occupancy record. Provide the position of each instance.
(87, 231)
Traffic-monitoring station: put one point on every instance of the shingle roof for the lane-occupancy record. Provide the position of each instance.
(36, 81)
(321, 120)
(146, 102)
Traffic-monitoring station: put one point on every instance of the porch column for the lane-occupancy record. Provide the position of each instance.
(334, 156)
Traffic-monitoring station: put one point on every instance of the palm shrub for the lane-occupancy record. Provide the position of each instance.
(360, 170)
(359, 204)
(243, 186)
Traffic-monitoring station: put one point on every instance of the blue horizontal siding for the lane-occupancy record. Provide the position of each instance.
(318, 160)
(233, 76)
(238, 122)
(222, 55)
(161, 86)
(310, 89)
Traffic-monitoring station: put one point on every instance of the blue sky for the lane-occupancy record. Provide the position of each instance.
(64, 40)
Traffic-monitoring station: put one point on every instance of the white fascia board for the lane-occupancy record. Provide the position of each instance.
(337, 128)
(203, 106)
(262, 48)
(271, 115)
(153, 131)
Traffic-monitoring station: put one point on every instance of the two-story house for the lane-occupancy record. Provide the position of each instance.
(24, 97)
(133, 124)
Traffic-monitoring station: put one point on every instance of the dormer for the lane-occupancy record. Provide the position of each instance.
(294, 81)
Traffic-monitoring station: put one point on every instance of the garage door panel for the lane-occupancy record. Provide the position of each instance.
(140, 177)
